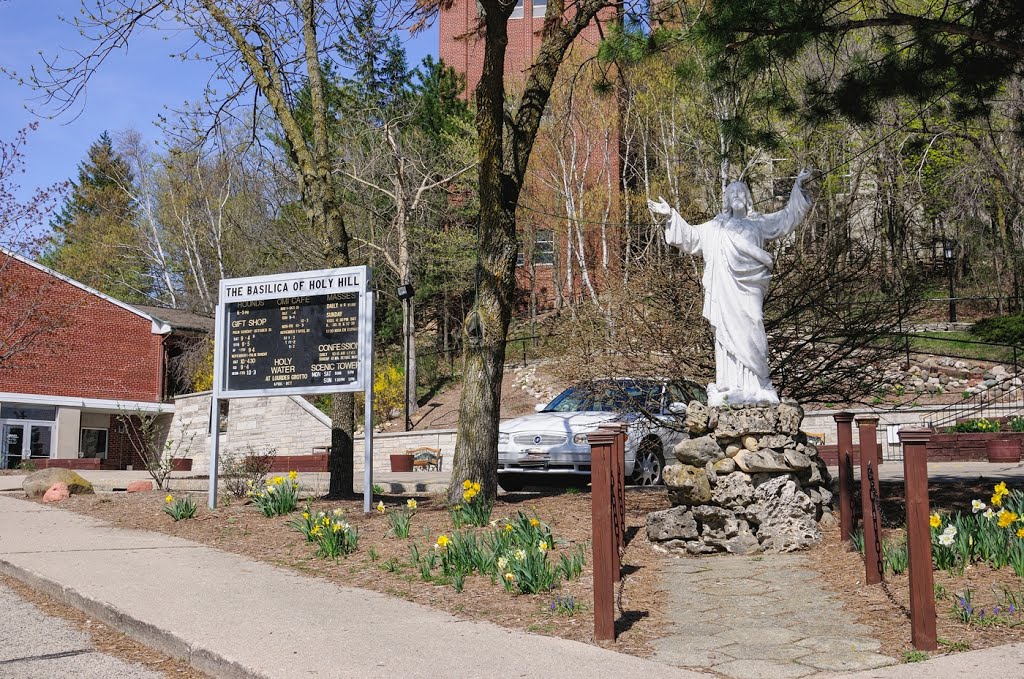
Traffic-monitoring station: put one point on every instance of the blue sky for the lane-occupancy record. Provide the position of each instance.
(130, 91)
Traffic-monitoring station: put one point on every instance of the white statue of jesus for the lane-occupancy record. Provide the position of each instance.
(736, 273)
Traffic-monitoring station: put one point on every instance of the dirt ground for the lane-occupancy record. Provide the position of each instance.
(383, 564)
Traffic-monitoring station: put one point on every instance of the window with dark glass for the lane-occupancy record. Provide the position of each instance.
(544, 248)
(27, 411)
(93, 442)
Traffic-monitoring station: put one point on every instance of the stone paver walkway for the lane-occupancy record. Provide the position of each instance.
(759, 617)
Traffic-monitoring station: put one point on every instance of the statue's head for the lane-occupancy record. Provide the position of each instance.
(738, 200)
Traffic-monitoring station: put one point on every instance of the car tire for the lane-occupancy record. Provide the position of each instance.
(649, 465)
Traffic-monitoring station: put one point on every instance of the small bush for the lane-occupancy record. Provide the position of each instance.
(242, 474)
(27, 466)
(979, 425)
(334, 537)
(1000, 329)
(179, 508)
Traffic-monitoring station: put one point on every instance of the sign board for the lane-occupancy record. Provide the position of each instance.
(297, 333)
(309, 332)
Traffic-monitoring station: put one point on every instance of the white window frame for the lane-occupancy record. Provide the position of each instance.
(542, 6)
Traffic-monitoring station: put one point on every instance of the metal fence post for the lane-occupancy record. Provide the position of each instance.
(874, 571)
(844, 439)
(919, 539)
(603, 529)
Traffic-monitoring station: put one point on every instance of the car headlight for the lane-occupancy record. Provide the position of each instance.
(502, 437)
(580, 440)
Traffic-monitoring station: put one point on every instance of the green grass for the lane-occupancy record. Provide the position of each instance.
(957, 344)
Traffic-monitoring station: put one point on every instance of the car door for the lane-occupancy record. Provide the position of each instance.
(671, 430)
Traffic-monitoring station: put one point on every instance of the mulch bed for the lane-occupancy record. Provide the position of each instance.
(241, 529)
(842, 570)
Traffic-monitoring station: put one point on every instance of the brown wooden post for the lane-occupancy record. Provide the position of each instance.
(919, 539)
(844, 439)
(874, 571)
(602, 447)
(618, 490)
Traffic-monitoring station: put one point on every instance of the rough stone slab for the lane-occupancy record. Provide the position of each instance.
(781, 653)
(760, 635)
(840, 644)
(847, 661)
(762, 669)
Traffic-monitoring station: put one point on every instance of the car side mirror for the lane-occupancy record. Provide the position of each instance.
(677, 408)
(540, 407)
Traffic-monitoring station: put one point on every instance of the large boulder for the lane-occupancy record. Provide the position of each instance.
(699, 451)
(761, 461)
(785, 516)
(735, 423)
(56, 493)
(687, 485)
(790, 417)
(733, 491)
(37, 483)
(672, 524)
(699, 418)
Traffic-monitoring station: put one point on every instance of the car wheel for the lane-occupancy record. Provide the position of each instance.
(649, 464)
(510, 483)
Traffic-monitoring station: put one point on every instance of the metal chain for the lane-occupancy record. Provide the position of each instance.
(876, 513)
(852, 490)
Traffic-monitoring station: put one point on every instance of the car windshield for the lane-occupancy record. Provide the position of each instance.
(617, 397)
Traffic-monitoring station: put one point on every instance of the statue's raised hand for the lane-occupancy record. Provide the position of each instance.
(659, 207)
(804, 175)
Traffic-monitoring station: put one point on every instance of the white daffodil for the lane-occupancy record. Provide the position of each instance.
(977, 506)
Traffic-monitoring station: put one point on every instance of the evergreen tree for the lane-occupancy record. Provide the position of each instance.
(380, 74)
(94, 236)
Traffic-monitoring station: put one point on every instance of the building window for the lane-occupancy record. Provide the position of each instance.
(544, 247)
(517, 11)
(25, 411)
(93, 442)
(539, 9)
(222, 419)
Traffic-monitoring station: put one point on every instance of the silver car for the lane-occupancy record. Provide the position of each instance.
(550, 447)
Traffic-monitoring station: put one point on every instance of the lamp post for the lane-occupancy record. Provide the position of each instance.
(405, 293)
(948, 253)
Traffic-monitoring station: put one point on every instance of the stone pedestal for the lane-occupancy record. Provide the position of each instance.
(746, 481)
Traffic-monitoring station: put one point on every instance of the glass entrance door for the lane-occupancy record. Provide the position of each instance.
(12, 445)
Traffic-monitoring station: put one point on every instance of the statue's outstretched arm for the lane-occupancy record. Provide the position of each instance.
(678, 231)
(782, 223)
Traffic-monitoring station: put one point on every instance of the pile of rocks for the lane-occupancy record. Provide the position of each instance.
(746, 480)
(943, 374)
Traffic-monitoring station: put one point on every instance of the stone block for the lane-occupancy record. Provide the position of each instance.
(699, 451)
(56, 493)
(37, 483)
(687, 485)
(737, 422)
(676, 523)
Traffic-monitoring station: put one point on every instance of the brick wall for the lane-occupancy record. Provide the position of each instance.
(83, 345)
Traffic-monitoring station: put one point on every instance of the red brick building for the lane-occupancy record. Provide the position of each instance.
(73, 361)
(550, 268)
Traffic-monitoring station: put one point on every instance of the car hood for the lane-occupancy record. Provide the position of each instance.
(558, 422)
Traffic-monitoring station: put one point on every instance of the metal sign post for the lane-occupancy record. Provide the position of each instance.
(307, 332)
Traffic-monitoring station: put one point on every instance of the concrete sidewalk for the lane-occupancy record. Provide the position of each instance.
(234, 617)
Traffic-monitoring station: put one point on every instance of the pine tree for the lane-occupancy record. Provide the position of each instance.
(94, 236)
(380, 74)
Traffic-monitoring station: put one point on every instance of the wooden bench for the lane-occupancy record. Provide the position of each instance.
(426, 458)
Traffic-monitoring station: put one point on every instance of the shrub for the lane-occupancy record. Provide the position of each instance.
(305, 523)
(242, 474)
(179, 508)
(279, 497)
(1000, 329)
(992, 534)
(980, 425)
(27, 466)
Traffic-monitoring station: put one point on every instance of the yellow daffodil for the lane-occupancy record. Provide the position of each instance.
(338, 511)
(475, 488)
(305, 515)
(292, 475)
(410, 503)
(543, 546)
(997, 500)
(509, 577)
(467, 496)
(934, 521)
(503, 562)
(380, 506)
(443, 541)
(508, 527)
(278, 480)
(1020, 532)
(1001, 488)
(520, 555)
(467, 484)
(457, 507)
(1006, 518)
(534, 522)
(169, 498)
(336, 527)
